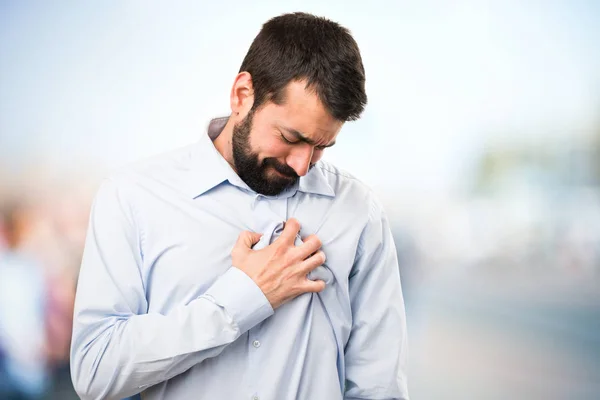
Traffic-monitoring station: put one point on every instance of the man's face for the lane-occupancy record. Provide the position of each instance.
(277, 144)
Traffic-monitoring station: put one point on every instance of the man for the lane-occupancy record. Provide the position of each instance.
(307, 309)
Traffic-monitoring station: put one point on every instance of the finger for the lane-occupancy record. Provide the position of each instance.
(312, 262)
(290, 230)
(247, 239)
(309, 286)
(311, 244)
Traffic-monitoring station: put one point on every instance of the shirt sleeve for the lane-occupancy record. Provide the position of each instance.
(118, 349)
(376, 352)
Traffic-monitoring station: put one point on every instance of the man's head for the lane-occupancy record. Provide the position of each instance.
(301, 79)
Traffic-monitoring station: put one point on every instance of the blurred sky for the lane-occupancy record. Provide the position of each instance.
(100, 84)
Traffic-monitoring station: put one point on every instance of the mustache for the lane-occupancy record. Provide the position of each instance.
(281, 168)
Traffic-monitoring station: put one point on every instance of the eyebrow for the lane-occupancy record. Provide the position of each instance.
(303, 138)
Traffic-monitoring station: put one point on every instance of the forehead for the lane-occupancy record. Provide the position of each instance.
(302, 111)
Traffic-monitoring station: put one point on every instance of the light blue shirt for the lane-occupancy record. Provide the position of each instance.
(161, 310)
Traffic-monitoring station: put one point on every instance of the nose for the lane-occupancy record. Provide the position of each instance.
(299, 159)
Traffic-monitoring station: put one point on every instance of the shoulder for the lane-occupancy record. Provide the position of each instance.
(349, 189)
(161, 167)
(128, 188)
(360, 205)
(169, 169)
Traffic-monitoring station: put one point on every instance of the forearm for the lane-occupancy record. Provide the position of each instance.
(116, 357)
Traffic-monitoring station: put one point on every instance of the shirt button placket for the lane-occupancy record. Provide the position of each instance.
(255, 359)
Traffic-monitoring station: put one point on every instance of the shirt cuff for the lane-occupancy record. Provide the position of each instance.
(241, 298)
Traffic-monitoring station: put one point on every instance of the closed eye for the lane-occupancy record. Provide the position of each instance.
(286, 140)
(320, 147)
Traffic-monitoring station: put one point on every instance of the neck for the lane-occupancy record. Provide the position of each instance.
(223, 143)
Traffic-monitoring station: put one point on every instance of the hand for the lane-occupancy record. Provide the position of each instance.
(280, 269)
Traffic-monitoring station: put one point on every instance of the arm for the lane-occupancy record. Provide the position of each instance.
(118, 348)
(376, 352)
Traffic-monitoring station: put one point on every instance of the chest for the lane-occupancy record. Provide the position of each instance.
(188, 246)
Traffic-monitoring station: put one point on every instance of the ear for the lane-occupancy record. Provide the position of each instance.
(241, 98)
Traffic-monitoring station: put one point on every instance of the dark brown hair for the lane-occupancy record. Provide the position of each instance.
(302, 46)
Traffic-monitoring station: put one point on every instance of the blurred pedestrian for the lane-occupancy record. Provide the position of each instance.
(23, 368)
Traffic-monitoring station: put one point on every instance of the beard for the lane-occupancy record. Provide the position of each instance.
(268, 177)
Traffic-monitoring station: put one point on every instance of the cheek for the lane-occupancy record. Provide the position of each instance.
(274, 150)
(265, 148)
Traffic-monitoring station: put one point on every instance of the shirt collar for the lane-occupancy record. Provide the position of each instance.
(315, 182)
(209, 169)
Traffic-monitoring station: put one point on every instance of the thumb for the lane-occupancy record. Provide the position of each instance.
(248, 239)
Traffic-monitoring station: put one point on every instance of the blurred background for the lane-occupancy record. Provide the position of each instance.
(482, 138)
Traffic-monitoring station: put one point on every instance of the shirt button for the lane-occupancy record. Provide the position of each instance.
(256, 344)
(255, 398)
